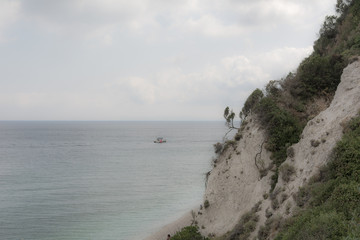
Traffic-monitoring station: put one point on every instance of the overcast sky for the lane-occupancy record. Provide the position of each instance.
(147, 59)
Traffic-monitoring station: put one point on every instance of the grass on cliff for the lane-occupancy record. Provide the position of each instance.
(330, 203)
(189, 233)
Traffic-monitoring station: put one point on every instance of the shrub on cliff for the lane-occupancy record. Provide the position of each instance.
(206, 204)
(346, 163)
(218, 147)
(251, 101)
(315, 225)
(189, 233)
(287, 171)
(340, 34)
(331, 202)
(318, 75)
(282, 127)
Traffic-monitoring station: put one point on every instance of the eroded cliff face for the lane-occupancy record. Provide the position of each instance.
(235, 185)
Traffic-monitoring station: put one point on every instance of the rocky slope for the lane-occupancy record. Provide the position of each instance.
(235, 185)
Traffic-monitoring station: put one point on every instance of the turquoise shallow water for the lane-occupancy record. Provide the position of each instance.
(100, 180)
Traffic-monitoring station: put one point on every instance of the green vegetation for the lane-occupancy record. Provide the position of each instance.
(272, 223)
(218, 147)
(189, 233)
(282, 127)
(330, 203)
(250, 102)
(283, 107)
(315, 225)
(229, 116)
(318, 76)
(339, 35)
(287, 171)
(206, 204)
(347, 154)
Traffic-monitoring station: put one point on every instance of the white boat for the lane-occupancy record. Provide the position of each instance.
(160, 140)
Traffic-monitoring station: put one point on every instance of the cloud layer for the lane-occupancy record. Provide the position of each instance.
(9, 13)
(142, 59)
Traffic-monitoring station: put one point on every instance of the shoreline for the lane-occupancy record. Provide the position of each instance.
(171, 228)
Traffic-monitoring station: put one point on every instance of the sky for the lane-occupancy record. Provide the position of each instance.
(143, 60)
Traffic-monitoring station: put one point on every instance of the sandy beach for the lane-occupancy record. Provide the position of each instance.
(171, 228)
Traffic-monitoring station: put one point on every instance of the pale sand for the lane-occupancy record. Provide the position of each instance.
(171, 228)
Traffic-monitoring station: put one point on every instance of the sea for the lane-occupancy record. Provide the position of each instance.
(100, 180)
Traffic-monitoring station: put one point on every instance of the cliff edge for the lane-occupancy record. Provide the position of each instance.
(236, 184)
(240, 182)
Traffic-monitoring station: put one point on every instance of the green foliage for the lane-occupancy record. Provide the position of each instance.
(300, 107)
(189, 233)
(328, 29)
(251, 101)
(273, 88)
(333, 196)
(218, 147)
(338, 33)
(318, 75)
(321, 191)
(342, 6)
(282, 127)
(264, 232)
(206, 203)
(330, 203)
(302, 197)
(346, 198)
(346, 163)
(354, 232)
(316, 225)
(274, 179)
(229, 116)
(271, 224)
(229, 143)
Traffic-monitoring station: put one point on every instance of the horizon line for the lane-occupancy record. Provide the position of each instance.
(111, 120)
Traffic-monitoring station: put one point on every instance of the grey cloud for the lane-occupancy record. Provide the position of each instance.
(212, 18)
(9, 13)
(172, 54)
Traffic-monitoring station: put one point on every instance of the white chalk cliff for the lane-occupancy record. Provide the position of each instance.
(235, 186)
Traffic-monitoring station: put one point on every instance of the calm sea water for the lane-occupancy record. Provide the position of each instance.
(100, 180)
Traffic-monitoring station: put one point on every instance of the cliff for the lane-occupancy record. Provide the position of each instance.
(276, 175)
(235, 185)
(240, 183)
